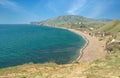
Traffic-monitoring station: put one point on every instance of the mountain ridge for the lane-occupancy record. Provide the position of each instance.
(69, 20)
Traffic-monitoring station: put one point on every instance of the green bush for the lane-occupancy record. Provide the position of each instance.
(23, 77)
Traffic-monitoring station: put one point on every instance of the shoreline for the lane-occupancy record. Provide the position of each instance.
(81, 49)
(85, 55)
(93, 48)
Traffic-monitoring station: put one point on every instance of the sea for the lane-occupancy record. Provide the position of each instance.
(23, 43)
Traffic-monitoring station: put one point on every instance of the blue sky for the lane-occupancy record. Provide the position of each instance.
(25, 11)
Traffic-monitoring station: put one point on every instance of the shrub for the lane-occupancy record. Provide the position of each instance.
(23, 77)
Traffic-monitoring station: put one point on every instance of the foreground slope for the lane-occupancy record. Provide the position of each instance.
(108, 67)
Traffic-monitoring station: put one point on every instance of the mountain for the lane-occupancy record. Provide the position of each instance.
(112, 27)
(69, 20)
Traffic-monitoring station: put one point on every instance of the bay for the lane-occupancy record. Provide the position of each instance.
(22, 43)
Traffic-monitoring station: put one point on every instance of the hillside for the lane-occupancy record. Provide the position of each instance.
(69, 20)
(112, 27)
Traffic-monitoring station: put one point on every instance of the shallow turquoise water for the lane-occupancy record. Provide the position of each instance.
(21, 44)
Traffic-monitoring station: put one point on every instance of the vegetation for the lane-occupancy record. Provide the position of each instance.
(108, 67)
(111, 32)
(112, 27)
(71, 20)
(23, 77)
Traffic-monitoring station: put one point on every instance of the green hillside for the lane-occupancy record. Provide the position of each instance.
(112, 27)
(69, 20)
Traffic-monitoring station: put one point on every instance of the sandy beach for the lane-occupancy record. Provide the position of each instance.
(93, 50)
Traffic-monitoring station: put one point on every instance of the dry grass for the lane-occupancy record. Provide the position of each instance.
(48, 70)
(108, 67)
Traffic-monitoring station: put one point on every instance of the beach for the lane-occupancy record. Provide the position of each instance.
(94, 49)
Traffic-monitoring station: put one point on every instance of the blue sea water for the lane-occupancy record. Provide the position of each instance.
(21, 44)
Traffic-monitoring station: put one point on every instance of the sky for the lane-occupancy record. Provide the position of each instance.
(25, 11)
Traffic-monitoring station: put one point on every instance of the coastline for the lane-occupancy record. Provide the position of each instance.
(82, 49)
(93, 48)
(79, 70)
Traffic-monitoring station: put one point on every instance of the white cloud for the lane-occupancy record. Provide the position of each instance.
(76, 6)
